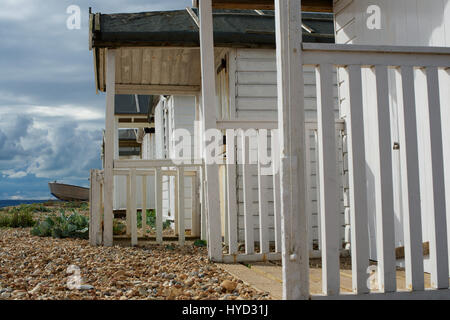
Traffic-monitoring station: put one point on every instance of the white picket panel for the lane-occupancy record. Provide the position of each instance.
(263, 194)
(133, 210)
(181, 206)
(409, 158)
(328, 182)
(144, 204)
(357, 183)
(444, 80)
(231, 192)
(384, 184)
(159, 205)
(438, 242)
(276, 191)
(248, 197)
(422, 149)
(129, 208)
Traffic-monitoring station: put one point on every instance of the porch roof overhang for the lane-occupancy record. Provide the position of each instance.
(157, 53)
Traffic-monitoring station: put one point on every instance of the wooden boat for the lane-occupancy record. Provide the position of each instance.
(67, 192)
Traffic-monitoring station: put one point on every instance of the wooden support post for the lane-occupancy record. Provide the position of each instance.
(144, 205)
(291, 121)
(328, 181)
(181, 211)
(109, 147)
(133, 209)
(95, 210)
(159, 206)
(210, 122)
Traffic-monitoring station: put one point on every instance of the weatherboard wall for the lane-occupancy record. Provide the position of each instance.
(255, 82)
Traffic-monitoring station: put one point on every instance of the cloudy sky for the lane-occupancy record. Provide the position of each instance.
(51, 119)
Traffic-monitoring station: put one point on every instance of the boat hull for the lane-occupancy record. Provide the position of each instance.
(67, 192)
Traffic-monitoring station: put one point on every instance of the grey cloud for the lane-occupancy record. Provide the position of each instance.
(42, 63)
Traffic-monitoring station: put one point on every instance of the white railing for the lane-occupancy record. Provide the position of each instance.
(157, 169)
(255, 218)
(238, 149)
(422, 80)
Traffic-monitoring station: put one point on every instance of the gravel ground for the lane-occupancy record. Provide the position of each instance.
(39, 268)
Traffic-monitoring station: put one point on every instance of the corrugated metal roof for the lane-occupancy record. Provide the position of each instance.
(241, 28)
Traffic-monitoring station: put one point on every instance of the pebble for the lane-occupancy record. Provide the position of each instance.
(35, 268)
(142, 291)
(86, 287)
(228, 285)
(35, 289)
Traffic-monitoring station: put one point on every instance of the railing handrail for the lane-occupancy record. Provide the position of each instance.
(425, 50)
(163, 163)
(267, 124)
(366, 55)
(152, 173)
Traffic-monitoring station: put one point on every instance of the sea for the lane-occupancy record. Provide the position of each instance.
(11, 203)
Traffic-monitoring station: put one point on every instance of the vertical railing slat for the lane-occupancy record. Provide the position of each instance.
(262, 195)
(318, 183)
(384, 192)
(176, 203)
(445, 111)
(248, 197)
(309, 211)
(231, 192)
(438, 223)
(144, 204)
(195, 196)
(129, 208)
(133, 209)
(159, 205)
(328, 180)
(409, 163)
(357, 183)
(181, 206)
(204, 206)
(276, 189)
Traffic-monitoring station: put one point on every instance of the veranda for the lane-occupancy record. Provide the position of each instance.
(423, 157)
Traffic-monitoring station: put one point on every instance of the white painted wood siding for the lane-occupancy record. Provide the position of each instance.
(181, 116)
(403, 22)
(256, 98)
